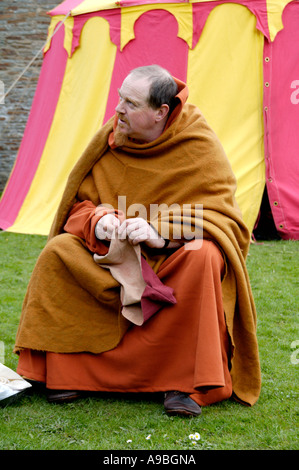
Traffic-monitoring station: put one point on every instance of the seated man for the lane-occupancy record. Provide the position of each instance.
(199, 347)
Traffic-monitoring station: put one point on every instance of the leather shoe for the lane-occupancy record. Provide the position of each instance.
(180, 404)
(63, 396)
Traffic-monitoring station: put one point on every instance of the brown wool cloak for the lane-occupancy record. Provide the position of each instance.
(185, 165)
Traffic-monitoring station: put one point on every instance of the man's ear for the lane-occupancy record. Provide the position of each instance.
(162, 112)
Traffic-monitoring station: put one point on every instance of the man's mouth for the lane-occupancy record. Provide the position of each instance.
(122, 121)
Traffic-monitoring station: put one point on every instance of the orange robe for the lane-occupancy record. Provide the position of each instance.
(185, 347)
(71, 310)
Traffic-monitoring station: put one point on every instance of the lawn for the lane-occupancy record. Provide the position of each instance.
(113, 422)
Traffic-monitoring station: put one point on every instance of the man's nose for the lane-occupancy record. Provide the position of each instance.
(120, 107)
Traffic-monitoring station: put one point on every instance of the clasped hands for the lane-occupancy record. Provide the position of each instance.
(135, 230)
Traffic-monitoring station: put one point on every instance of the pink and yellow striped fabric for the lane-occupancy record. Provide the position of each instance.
(239, 59)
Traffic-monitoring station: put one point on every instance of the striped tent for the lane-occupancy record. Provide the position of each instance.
(240, 60)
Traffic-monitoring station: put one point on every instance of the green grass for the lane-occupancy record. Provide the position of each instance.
(107, 422)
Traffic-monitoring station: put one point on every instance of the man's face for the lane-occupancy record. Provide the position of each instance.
(136, 119)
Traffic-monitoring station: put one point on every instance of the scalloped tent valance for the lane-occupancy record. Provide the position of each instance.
(191, 17)
(268, 12)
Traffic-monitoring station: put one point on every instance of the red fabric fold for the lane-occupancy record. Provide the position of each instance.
(155, 295)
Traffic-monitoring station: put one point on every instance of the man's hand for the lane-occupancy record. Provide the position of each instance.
(106, 226)
(138, 230)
